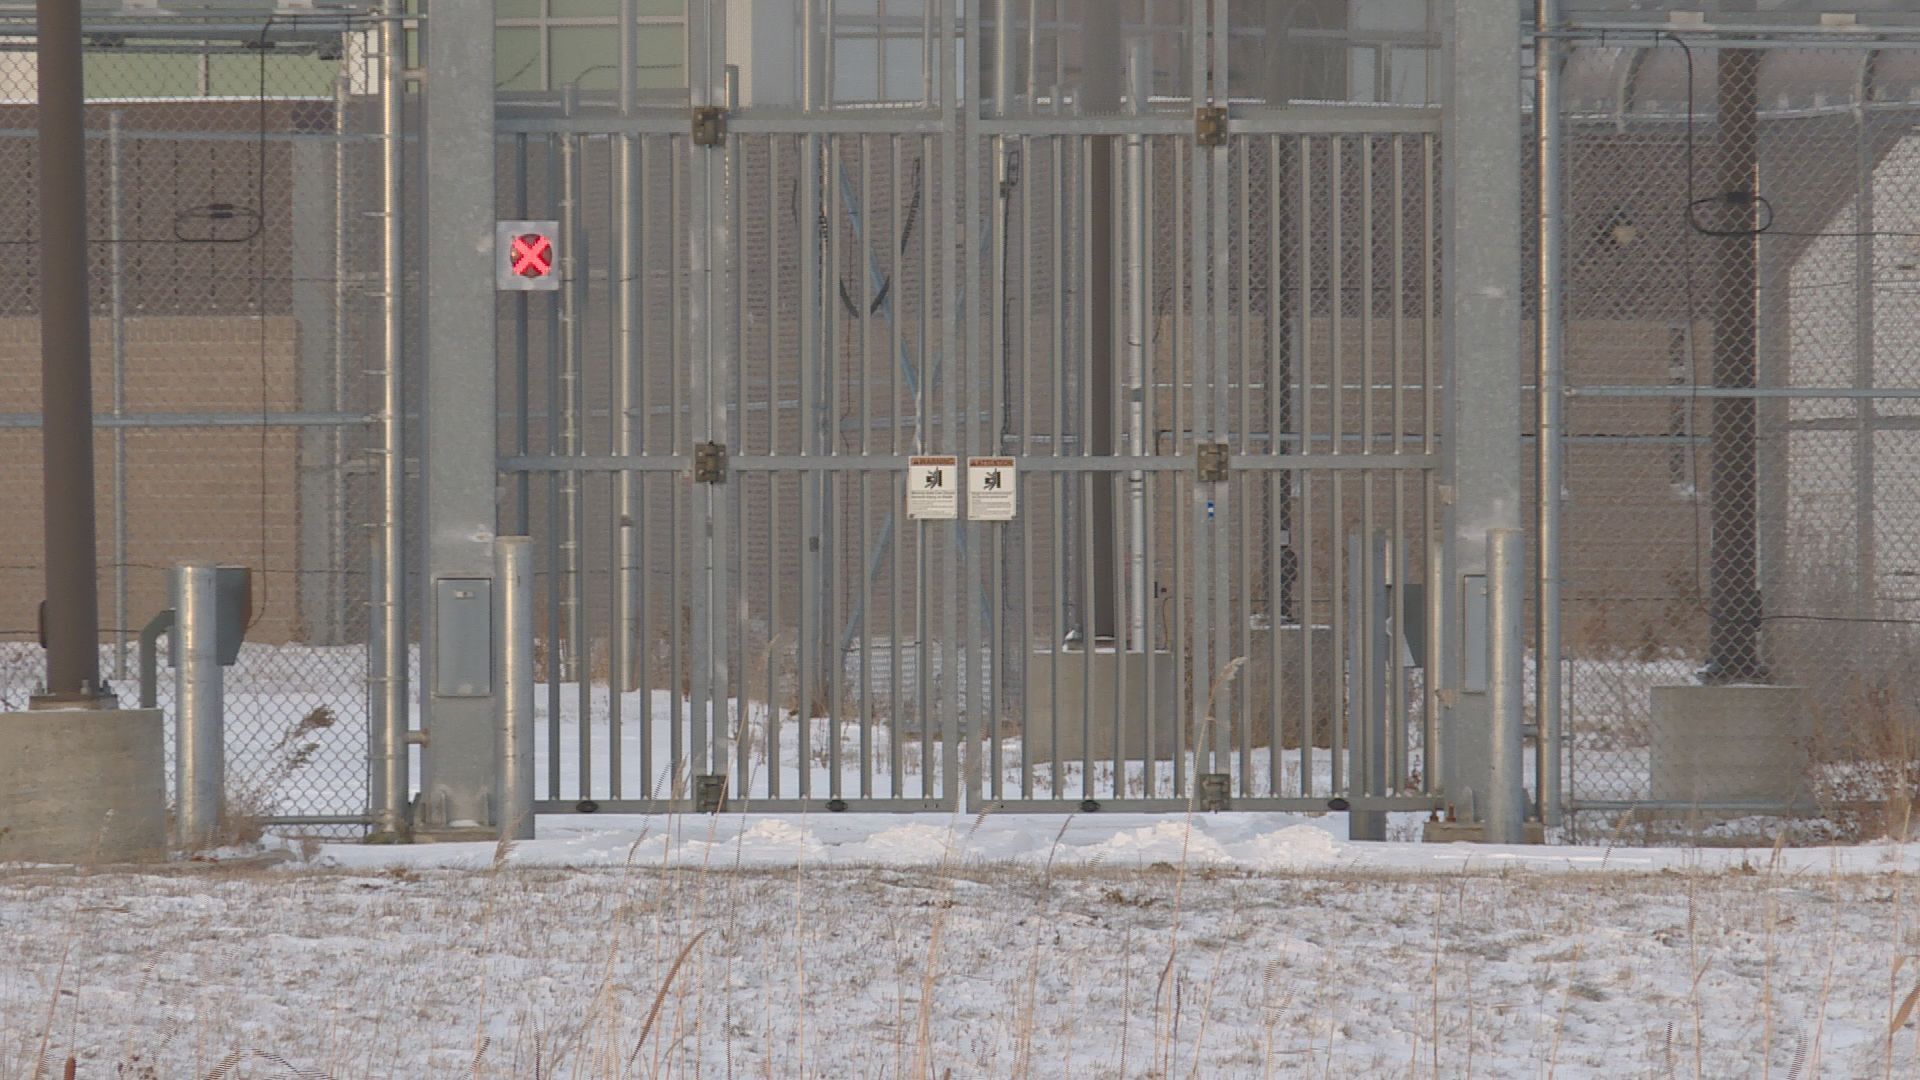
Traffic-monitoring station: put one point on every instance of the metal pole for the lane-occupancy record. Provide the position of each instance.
(1733, 582)
(1505, 808)
(199, 763)
(117, 300)
(1100, 94)
(1481, 443)
(1550, 342)
(458, 407)
(513, 623)
(1139, 77)
(72, 613)
(391, 782)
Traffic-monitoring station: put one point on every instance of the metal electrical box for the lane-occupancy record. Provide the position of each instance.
(1473, 637)
(463, 637)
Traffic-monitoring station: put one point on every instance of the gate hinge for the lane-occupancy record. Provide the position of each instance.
(1216, 791)
(709, 125)
(1211, 462)
(709, 794)
(1210, 125)
(709, 463)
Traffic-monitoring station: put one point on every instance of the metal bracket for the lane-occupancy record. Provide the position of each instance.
(1211, 462)
(709, 463)
(1210, 125)
(1214, 791)
(709, 125)
(709, 793)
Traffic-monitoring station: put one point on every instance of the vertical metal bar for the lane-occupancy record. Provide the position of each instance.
(571, 410)
(1219, 211)
(1865, 319)
(776, 585)
(1204, 494)
(646, 256)
(388, 639)
(1397, 647)
(812, 513)
(71, 619)
(118, 313)
(1336, 433)
(1438, 585)
(1091, 609)
(1058, 483)
(1278, 483)
(1506, 807)
(864, 693)
(513, 629)
(896, 349)
(968, 280)
(679, 362)
(1369, 687)
(1026, 446)
(1549, 328)
(832, 655)
(200, 761)
(1182, 436)
(1241, 599)
(338, 542)
(625, 287)
(1303, 425)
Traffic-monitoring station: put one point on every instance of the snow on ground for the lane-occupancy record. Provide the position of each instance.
(925, 946)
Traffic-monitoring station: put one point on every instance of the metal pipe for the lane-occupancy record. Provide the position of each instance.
(1139, 76)
(117, 304)
(1505, 806)
(161, 623)
(391, 778)
(338, 526)
(1549, 404)
(199, 762)
(513, 630)
(626, 359)
(71, 617)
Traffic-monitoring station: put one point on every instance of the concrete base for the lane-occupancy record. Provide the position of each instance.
(1043, 729)
(1472, 832)
(1731, 744)
(82, 786)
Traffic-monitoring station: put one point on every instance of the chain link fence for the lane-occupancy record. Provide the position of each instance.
(1743, 306)
(233, 175)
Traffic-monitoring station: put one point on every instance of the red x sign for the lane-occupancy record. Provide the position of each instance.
(532, 255)
(526, 256)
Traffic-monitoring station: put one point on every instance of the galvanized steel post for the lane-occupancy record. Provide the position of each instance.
(458, 466)
(199, 763)
(513, 665)
(390, 780)
(1482, 450)
(1549, 337)
(1505, 807)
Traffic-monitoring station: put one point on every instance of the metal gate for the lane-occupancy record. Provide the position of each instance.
(1202, 337)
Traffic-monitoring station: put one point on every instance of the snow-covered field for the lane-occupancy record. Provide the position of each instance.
(871, 946)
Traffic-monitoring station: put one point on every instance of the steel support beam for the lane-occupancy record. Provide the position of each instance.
(1483, 449)
(458, 408)
(71, 618)
(1550, 376)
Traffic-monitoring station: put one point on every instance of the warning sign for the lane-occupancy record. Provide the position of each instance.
(992, 489)
(933, 488)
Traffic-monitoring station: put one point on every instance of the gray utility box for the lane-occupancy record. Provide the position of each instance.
(463, 637)
(233, 610)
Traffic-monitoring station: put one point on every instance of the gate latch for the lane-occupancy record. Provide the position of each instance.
(709, 463)
(1210, 125)
(709, 794)
(709, 125)
(1216, 792)
(1211, 462)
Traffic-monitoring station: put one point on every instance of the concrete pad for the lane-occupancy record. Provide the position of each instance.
(1731, 744)
(82, 785)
